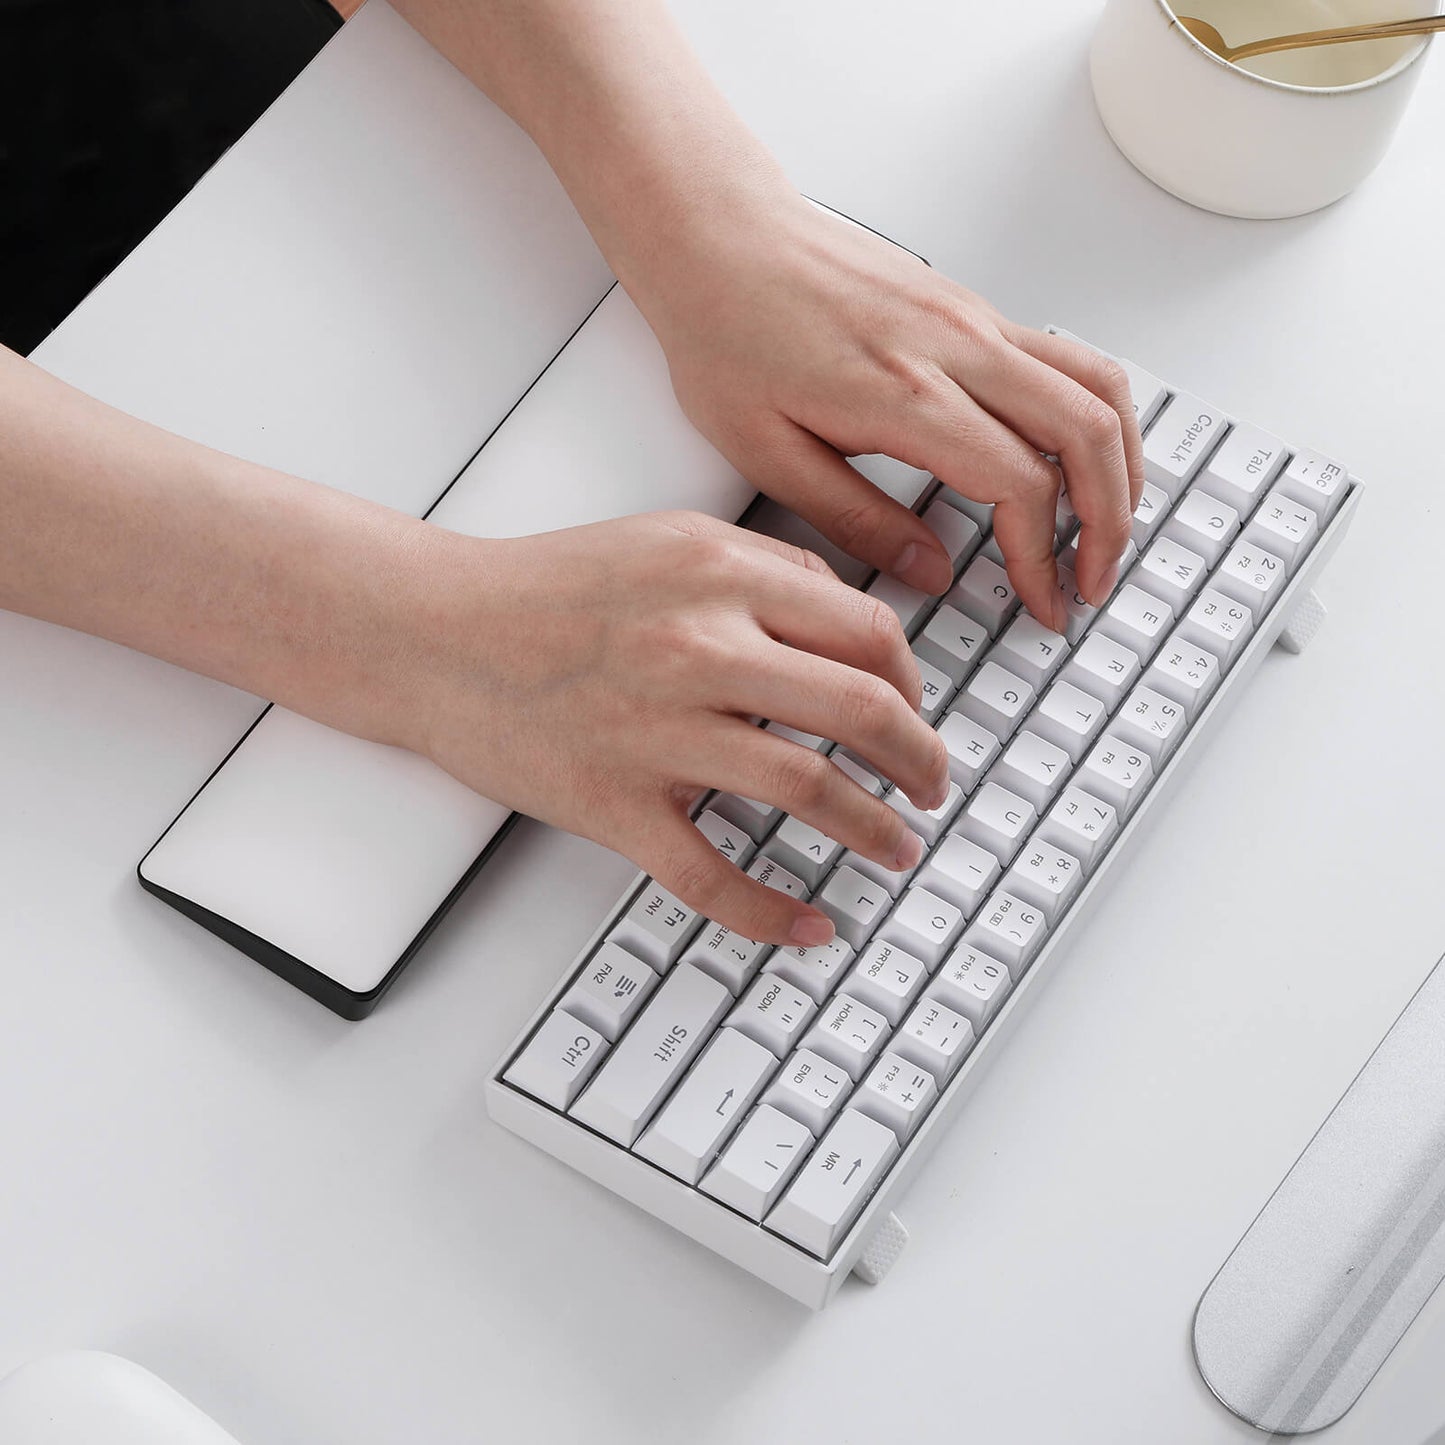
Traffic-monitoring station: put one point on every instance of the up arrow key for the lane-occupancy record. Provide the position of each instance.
(823, 1201)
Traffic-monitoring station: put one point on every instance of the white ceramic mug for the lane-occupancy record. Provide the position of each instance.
(1277, 135)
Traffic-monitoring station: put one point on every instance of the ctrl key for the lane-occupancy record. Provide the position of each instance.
(830, 1190)
(561, 1056)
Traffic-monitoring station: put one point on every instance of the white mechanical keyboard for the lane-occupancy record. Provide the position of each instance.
(773, 1102)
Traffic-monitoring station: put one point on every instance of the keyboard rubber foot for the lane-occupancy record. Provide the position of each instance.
(881, 1252)
(1304, 622)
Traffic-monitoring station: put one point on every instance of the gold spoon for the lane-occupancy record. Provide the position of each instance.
(1211, 39)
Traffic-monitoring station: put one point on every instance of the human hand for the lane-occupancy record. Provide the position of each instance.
(600, 677)
(796, 339)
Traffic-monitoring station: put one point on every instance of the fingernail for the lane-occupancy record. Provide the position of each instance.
(811, 930)
(910, 853)
(1106, 585)
(924, 568)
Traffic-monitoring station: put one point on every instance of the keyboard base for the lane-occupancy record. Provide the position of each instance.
(812, 1281)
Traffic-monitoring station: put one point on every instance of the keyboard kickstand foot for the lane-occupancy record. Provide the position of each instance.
(881, 1252)
(1304, 622)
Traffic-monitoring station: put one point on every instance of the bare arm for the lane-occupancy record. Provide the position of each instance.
(794, 340)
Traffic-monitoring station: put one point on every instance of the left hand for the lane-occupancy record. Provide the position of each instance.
(797, 340)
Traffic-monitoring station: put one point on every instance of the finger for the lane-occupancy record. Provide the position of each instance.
(699, 524)
(762, 765)
(1104, 377)
(973, 452)
(687, 865)
(809, 476)
(826, 617)
(1057, 413)
(854, 708)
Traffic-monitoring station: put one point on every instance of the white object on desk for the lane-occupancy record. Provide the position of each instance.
(86, 1397)
(340, 853)
(1277, 135)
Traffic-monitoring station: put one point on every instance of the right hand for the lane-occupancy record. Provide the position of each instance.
(600, 677)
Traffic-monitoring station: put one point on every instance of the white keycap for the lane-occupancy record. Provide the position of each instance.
(1240, 472)
(1078, 612)
(935, 1037)
(1170, 572)
(924, 924)
(1149, 514)
(609, 990)
(891, 879)
(854, 903)
(1069, 718)
(1219, 624)
(809, 1089)
(980, 513)
(811, 741)
(1283, 526)
(1202, 524)
(656, 927)
(886, 978)
(773, 1013)
(814, 970)
(1102, 668)
(952, 641)
(959, 534)
(558, 1060)
(1148, 392)
(1082, 825)
(703, 1110)
(1009, 930)
(896, 1094)
(1045, 876)
(961, 871)
(910, 605)
(996, 698)
(1252, 576)
(998, 820)
(938, 689)
(1030, 650)
(859, 772)
(753, 817)
(971, 749)
(848, 1033)
(1034, 768)
(1185, 672)
(1066, 520)
(825, 1198)
(675, 1023)
(755, 1168)
(928, 825)
(1182, 436)
(1317, 482)
(972, 984)
(772, 874)
(803, 850)
(1135, 619)
(1117, 773)
(984, 593)
(726, 956)
(1151, 721)
(730, 840)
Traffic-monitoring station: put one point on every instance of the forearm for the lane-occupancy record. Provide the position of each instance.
(279, 586)
(649, 150)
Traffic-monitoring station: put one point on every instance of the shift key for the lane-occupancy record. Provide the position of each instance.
(653, 1055)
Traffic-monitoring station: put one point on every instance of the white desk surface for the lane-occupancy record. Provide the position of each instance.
(311, 1228)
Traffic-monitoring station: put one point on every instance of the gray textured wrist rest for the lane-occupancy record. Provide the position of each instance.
(1348, 1248)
